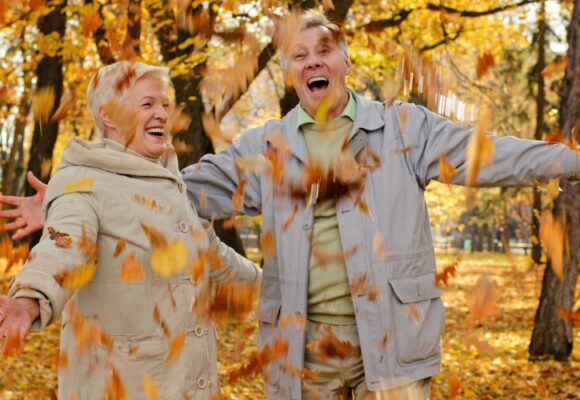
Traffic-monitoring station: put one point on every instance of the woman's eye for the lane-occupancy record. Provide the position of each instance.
(147, 104)
(299, 57)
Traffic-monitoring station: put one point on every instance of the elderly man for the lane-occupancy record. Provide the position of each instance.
(350, 283)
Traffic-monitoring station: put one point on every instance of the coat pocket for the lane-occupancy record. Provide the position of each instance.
(418, 317)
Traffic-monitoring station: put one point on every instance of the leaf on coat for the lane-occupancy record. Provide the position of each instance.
(61, 239)
(42, 103)
(268, 245)
(150, 387)
(115, 387)
(330, 346)
(90, 20)
(87, 246)
(480, 149)
(150, 203)
(288, 221)
(169, 260)
(403, 117)
(446, 170)
(484, 62)
(413, 313)
(156, 238)
(67, 101)
(175, 347)
(553, 235)
(119, 247)
(162, 324)
(82, 185)
(78, 277)
(378, 247)
(483, 301)
(131, 270)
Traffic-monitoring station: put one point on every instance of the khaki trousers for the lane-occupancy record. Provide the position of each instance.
(343, 378)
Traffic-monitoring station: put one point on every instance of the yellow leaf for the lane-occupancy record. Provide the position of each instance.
(42, 103)
(175, 348)
(150, 387)
(170, 259)
(553, 236)
(82, 185)
(446, 170)
(78, 277)
(480, 149)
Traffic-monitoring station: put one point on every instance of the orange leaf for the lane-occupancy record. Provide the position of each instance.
(61, 239)
(175, 348)
(446, 170)
(288, 221)
(67, 102)
(156, 238)
(413, 313)
(378, 247)
(78, 277)
(90, 19)
(42, 103)
(177, 120)
(555, 67)
(570, 316)
(131, 270)
(151, 204)
(483, 300)
(150, 387)
(330, 346)
(443, 276)
(480, 149)
(119, 247)
(453, 383)
(267, 243)
(115, 388)
(484, 62)
(554, 237)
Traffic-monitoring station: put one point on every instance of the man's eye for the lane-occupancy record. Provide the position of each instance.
(324, 51)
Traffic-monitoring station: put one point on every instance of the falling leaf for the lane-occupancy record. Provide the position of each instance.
(267, 244)
(330, 346)
(82, 185)
(258, 359)
(90, 20)
(453, 383)
(413, 313)
(554, 237)
(156, 238)
(480, 149)
(67, 102)
(233, 301)
(378, 247)
(253, 164)
(159, 321)
(175, 347)
(384, 342)
(119, 247)
(483, 301)
(177, 120)
(446, 170)
(150, 203)
(63, 361)
(78, 277)
(288, 320)
(484, 62)
(131, 270)
(288, 221)
(570, 316)
(45, 167)
(115, 388)
(403, 117)
(170, 259)
(555, 67)
(238, 196)
(42, 103)
(123, 117)
(61, 239)
(150, 387)
(287, 29)
(443, 276)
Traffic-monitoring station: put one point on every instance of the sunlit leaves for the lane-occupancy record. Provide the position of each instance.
(483, 301)
(42, 103)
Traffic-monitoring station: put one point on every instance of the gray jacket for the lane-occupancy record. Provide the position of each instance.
(395, 349)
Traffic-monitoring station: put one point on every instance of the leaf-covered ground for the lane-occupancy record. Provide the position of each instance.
(502, 372)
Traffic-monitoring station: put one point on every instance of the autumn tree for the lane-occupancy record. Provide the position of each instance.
(552, 333)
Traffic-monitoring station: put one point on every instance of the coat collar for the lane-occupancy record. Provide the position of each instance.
(368, 118)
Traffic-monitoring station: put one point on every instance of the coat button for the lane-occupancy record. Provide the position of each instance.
(202, 383)
(306, 226)
(199, 330)
(183, 227)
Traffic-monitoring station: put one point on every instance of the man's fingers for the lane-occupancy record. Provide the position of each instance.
(10, 213)
(36, 183)
(13, 200)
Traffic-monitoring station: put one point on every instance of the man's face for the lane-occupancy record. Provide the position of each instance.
(317, 69)
(147, 103)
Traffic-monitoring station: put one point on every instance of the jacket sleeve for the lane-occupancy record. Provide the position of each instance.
(48, 262)
(516, 162)
(237, 267)
(216, 177)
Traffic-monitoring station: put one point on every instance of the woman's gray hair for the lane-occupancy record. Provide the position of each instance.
(113, 81)
(315, 19)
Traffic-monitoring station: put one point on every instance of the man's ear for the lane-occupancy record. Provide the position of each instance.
(348, 65)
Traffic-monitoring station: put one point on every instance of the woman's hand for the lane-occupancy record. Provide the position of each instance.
(28, 212)
(16, 318)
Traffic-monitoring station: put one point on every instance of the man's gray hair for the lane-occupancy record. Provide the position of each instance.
(314, 19)
(113, 81)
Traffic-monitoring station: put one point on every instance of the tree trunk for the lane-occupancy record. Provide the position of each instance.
(538, 134)
(552, 335)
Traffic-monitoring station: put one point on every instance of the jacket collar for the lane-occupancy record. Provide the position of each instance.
(368, 118)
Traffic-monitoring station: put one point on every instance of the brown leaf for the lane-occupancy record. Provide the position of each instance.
(483, 301)
(61, 239)
(268, 244)
(446, 170)
(553, 235)
(484, 62)
(86, 245)
(67, 102)
(257, 360)
(151, 204)
(131, 270)
(156, 238)
(443, 276)
(90, 20)
(330, 346)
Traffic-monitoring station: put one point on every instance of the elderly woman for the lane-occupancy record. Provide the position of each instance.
(124, 257)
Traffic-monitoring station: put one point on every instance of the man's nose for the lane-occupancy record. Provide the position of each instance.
(314, 61)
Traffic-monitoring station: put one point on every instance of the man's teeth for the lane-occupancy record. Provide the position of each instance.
(317, 79)
(155, 131)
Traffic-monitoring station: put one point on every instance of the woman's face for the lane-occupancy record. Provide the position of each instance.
(146, 102)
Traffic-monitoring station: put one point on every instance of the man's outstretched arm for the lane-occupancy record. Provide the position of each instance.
(27, 214)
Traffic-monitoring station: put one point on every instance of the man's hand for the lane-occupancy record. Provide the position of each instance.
(16, 317)
(28, 212)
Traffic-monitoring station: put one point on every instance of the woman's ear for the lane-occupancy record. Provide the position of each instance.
(105, 119)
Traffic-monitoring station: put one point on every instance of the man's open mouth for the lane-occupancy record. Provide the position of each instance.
(317, 84)
(155, 132)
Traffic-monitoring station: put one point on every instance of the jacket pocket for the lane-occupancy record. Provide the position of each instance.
(268, 316)
(417, 318)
